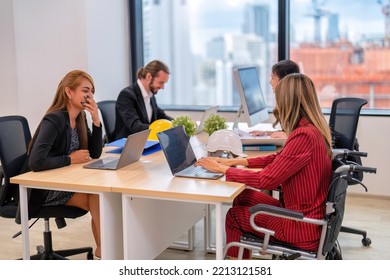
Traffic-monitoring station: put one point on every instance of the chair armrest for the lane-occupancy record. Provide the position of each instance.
(270, 209)
(277, 212)
(1, 175)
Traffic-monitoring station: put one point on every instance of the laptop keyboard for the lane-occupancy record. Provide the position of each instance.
(194, 170)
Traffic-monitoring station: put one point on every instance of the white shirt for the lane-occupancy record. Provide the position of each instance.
(146, 95)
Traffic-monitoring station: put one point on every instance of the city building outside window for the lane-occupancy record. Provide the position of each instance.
(345, 49)
(203, 40)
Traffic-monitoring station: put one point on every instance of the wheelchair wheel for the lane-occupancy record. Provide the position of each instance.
(334, 254)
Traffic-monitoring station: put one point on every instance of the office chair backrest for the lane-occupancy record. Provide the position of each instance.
(343, 121)
(107, 108)
(14, 139)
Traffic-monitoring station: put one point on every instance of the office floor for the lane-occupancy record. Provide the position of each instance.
(370, 214)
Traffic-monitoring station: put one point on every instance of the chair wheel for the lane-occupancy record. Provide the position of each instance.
(366, 241)
(40, 249)
(89, 256)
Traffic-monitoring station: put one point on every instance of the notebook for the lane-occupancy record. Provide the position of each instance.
(150, 147)
(206, 114)
(131, 152)
(180, 156)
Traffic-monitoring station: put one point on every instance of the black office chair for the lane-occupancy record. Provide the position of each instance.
(107, 108)
(14, 139)
(343, 123)
(330, 224)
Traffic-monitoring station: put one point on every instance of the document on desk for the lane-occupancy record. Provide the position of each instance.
(249, 139)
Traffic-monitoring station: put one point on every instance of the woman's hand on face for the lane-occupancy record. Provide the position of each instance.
(211, 165)
(91, 106)
(79, 156)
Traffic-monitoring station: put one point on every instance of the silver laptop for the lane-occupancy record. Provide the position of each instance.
(180, 155)
(206, 114)
(131, 152)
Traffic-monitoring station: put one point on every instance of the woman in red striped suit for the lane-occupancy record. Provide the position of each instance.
(302, 168)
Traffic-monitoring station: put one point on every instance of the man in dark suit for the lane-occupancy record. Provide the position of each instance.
(136, 106)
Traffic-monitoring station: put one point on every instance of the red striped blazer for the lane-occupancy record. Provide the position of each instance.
(303, 170)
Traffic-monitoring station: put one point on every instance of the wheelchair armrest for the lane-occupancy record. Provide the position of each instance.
(273, 211)
(1, 175)
(270, 209)
(277, 212)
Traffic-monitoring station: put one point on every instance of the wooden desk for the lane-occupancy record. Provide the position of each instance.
(157, 207)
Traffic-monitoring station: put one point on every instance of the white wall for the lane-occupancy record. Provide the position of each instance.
(8, 77)
(42, 40)
(374, 135)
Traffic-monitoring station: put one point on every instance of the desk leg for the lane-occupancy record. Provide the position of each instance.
(24, 221)
(111, 226)
(210, 248)
(219, 231)
(151, 225)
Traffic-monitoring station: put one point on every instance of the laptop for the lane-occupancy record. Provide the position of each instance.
(206, 114)
(180, 156)
(131, 152)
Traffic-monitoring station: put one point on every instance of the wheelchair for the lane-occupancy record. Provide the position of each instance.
(343, 173)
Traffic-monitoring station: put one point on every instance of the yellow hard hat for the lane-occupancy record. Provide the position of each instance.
(157, 126)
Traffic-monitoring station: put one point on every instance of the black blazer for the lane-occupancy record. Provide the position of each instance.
(51, 148)
(130, 112)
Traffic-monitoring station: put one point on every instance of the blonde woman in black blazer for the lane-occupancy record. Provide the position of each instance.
(63, 138)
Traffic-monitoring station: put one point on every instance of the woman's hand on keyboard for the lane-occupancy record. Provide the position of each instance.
(231, 161)
(272, 134)
(211, 164)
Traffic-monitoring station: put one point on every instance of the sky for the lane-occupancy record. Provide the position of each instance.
(357, 17)
(211, 18)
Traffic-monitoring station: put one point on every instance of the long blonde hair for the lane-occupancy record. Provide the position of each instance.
(296, 98)
(71, 80)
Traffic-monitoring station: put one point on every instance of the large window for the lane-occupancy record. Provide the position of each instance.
(344, 48)
(203, 40)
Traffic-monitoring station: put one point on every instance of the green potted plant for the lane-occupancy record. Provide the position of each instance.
(187, 122)
(214, 123)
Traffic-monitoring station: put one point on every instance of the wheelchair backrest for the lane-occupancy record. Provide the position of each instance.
(335, 206)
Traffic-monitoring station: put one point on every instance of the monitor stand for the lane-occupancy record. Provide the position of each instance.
(239, 112)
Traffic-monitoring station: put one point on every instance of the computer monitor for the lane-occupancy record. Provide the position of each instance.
(253, 108)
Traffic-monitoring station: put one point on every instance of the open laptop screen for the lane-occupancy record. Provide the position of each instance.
(177, 148)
